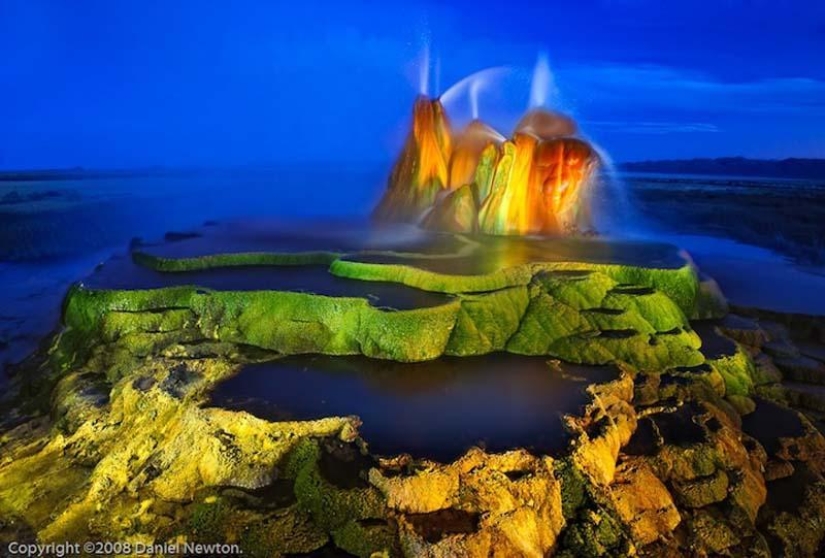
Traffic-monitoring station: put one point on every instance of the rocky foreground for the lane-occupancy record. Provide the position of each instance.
(697, 448)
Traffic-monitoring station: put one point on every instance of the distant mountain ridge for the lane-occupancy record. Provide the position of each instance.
(739, 166)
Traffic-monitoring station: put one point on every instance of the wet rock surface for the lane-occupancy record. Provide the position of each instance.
(657, 464)
(707, 443)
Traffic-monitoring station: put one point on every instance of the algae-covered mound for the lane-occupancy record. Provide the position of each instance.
(524, 296)
(685, 448)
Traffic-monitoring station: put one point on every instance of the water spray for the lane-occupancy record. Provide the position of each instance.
(473, 89)
(483, 77)
(437, 76)
(424, 71)
(542, 84)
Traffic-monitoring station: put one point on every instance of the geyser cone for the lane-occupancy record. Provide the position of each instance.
(536, 183)
(545, 124)
(421, 171)
(467, 152)
(512, 206)
(455, 211)
(539, 187)
(563, 169)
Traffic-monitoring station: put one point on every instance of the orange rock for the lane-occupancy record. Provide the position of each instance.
(643, 502)
(467, 152)
(420, 173)
(545, 124)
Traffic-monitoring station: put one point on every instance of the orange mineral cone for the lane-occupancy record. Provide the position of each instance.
(421, 171)
(536, 183)
(563, 169)
(466, 154)
(545, 124)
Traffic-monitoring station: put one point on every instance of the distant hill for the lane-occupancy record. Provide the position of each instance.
(79, 173)
(738, 166)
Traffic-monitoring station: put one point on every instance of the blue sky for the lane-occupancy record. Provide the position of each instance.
(125, 84)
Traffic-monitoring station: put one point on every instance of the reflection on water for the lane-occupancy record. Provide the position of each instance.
(432, 409)
(337, 235)
(498, 252)
(122, 273)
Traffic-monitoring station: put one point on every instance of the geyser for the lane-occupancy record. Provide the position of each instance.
(475, 180)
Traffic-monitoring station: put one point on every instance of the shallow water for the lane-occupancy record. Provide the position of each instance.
(714, 345)
(756, 277)
(122, 273)
(498, 252)
(770, 422)
(338, 235)
(434, 409)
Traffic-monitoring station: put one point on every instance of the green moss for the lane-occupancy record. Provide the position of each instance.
(587, 320)
(84, 308)
(738, 371)
(208, 519)
(289, 531)
(431, 281)
(365, 540)
(304, 454)
(656, 312)
(141, 345)
(290, 323)
(546, 322)
(643, 352)
(114, 324)
(678, 284)
(597, 534)
(710, 532)
(744, 405)
(702, 491)
(592, 527)
(582, 290)
(576, 315)
(331, 507)
(398, 335)
(573, 487)
(485, 323)
(688, 463)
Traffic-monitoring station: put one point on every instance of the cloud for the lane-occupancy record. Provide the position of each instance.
(672, 88)
(653, 127)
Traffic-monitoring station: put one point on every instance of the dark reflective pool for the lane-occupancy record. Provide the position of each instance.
(329, 235)
(434, 409)
(714, 344)
(770, 422)
(121, 273)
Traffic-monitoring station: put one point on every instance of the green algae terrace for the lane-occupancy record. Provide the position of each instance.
(591, 311)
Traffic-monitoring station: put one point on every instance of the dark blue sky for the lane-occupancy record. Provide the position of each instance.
(122, 84)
